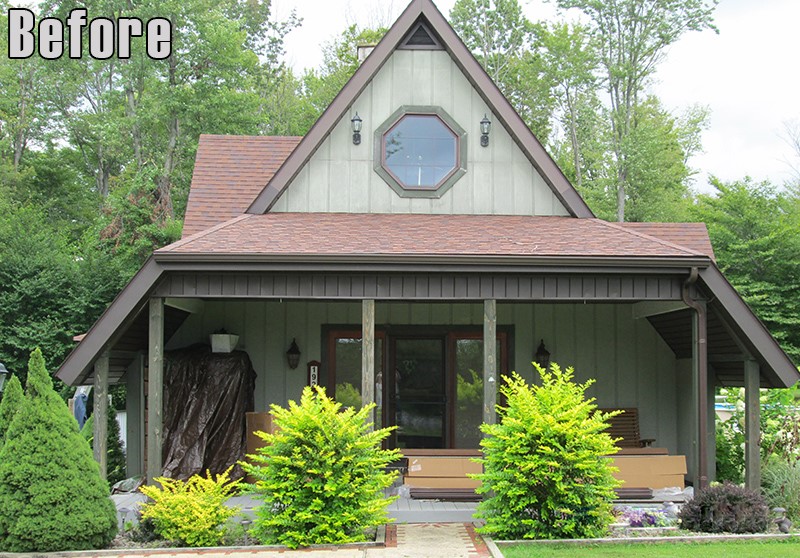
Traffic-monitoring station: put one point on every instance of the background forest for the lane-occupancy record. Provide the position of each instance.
(96, 156)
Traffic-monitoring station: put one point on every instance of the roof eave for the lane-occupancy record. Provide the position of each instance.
(751, 330)
(121, 311)
(638, 262)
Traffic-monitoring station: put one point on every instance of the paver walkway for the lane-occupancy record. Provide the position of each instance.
(417, 540)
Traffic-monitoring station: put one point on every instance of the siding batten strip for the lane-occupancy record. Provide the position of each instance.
(489, 361)
(155, 389)
(368, 356)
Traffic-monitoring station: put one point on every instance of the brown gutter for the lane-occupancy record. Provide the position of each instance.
(440, 261)
(701, 353)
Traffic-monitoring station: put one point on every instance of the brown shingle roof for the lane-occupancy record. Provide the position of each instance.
(346, 234)
(229, 172)
(691, 235)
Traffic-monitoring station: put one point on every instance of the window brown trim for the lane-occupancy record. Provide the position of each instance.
(388, 334)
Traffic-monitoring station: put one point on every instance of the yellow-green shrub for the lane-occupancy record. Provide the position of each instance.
(544, 473)
(191, 512)
(321, 475)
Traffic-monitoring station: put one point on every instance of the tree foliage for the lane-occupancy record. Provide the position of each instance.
(633, 36)
(544, 473)
(9, 405)
(755, 231)
(51, 493)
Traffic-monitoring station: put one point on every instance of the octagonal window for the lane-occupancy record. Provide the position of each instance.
(420, 151)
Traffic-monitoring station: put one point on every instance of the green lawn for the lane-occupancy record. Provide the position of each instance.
(749, 549)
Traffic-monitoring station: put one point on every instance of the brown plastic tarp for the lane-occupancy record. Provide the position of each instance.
(206, 396)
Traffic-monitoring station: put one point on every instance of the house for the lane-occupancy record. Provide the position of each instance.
(417, 218)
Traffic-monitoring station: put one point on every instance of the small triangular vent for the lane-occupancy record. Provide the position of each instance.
(420, 38)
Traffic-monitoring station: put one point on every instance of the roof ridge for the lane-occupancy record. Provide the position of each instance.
(200, 234)
(482, 83)
(620, 227)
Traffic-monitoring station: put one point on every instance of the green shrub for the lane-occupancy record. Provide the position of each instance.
(51, 495)
(780, 483)
(191, 512)
(730, 452)
(321, 475)
(116, 464)
(10, 404)
(544, 472)
(726, 508)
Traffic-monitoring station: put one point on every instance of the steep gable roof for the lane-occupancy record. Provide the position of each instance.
(232, 170)
(425, 11)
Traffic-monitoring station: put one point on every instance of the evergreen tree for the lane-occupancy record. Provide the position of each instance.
(51, 495)
(12, 397)
(115, 455)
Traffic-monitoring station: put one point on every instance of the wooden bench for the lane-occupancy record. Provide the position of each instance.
(626, 427)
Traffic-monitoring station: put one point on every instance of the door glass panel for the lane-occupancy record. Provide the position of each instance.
(347, 389)
(420, 403)
(469, 392)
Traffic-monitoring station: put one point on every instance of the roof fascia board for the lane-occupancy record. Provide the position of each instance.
(122, 310)
(752, 331)
(475, 74)
(568, 264)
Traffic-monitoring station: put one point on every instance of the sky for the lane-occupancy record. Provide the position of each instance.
(747, 74)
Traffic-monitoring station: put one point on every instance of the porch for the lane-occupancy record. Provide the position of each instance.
(650, 338)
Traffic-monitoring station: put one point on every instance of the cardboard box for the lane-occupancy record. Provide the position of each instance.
(646, 481)
(442, 467)
(441, 482)
(652, 465)
(657, 471)
(257, 422)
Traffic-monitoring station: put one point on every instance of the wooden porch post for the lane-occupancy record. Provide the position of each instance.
(100, 431)
(752, 424)
(489, 361)
(368, 356)
(700, 374)
(155, 389)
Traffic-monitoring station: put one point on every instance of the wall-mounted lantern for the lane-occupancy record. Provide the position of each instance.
(293, 355)
(542, 356)
(486, 125)
(355, 123)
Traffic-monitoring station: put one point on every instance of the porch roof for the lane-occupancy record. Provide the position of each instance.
(347, 234)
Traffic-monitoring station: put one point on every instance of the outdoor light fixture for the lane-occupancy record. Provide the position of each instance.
(542, 356)
(355, 122)
(486, 125)
(3, 374)
(293, 355)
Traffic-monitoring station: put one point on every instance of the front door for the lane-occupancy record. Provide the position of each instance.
(417, 400)
(430, 386)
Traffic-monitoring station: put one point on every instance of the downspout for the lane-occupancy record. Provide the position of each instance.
(701, 351)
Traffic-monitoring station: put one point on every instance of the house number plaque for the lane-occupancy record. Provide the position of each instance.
(313, 373)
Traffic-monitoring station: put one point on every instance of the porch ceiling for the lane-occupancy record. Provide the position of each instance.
(134, 340)
(725, 355)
